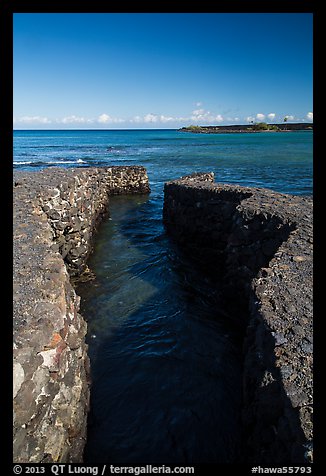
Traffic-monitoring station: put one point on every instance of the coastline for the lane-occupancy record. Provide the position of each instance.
(265, 241)
(249, 128)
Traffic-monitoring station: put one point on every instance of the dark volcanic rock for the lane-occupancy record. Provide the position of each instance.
(259, 243)
(249, 128)
(56, 212)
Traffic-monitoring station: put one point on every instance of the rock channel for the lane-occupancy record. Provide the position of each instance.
(260, 244)
(56, 212)
(258, 241)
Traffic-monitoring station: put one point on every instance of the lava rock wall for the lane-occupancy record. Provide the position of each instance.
(259, 243)
(56, 212)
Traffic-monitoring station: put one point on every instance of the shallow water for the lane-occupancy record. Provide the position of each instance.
(166, 363)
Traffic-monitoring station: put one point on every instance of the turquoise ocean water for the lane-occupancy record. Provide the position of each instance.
(281, 161)
(166, 360)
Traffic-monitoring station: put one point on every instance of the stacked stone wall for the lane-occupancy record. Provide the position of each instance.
(259, 245)
(56, 212)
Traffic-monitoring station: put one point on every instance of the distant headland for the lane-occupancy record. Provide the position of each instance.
(257, 127)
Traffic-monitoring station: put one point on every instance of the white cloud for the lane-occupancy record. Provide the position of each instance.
(106, 119)
(310, 116)
(198, 104)
(137, 119)
(289, 117)
(103, 118)
(74, 120)
(155, 118)
(201, 115)
(151, 118)
(167, 118)
(261, 117)
(32, 120)
(199, 112)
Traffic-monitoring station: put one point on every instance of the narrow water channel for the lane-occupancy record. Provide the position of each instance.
(165, 361)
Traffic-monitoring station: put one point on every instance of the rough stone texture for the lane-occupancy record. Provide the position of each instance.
(260, 243)
(55, 214)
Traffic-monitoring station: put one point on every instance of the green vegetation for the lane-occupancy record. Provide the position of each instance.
(273, 127)
(194, 128)
(262, 126)
(253, 127)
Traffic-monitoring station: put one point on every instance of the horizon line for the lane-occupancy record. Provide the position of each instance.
(159, 128)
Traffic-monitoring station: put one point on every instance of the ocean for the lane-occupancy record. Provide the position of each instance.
(281, 161)
(166, 362)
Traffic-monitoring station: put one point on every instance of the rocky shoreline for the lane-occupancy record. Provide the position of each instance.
(249, 128)
(56, 212)
(260, 242)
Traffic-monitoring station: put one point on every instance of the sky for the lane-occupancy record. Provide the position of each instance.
(161, 70)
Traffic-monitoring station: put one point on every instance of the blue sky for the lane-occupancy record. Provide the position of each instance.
(161, 70)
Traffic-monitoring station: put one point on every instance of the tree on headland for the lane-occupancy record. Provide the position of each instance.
(285, 119)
